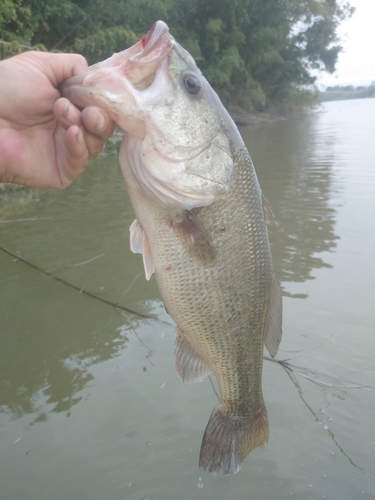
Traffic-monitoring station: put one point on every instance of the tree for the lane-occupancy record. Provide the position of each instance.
(265, 51)
(256, 53)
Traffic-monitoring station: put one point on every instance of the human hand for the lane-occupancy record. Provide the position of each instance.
(45, 141)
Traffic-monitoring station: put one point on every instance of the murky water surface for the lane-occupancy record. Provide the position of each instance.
(90, 406)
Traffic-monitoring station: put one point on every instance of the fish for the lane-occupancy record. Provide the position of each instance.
(200, 227)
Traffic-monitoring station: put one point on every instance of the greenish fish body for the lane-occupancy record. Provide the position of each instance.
(201, 228)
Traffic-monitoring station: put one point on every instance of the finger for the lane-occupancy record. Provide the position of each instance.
(73, 162)
(94, 144)
(97, 122)
(66, 113)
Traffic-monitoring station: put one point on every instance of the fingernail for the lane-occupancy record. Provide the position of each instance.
(65, 112)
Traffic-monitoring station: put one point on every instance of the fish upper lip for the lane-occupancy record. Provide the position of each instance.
(152, 48)
(153, 36)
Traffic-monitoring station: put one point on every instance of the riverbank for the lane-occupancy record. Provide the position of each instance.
(341, 94)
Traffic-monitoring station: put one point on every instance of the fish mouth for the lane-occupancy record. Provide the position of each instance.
(112, 83)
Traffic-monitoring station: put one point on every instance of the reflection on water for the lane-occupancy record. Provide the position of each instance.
(294, 161)
(16, 200)
(42, 365)
(52, 333)
(134, 430)
(322, 419)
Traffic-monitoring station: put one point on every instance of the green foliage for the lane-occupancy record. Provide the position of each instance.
(104, 43)
(112, 147)
(256, 53)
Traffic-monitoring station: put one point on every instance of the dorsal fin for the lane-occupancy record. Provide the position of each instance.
(273, 327)
(268, 214)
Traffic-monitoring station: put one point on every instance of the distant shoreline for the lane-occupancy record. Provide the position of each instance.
(343, 93)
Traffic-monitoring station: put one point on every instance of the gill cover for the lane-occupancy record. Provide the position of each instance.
(184, 160)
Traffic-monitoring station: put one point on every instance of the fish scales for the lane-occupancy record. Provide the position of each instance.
(220, 307)
(201, 228)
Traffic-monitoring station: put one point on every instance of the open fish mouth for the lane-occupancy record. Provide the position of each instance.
(118, 76)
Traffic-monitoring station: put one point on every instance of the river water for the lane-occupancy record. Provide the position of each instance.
(90, 406)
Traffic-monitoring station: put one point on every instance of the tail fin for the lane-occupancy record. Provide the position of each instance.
(228, 440)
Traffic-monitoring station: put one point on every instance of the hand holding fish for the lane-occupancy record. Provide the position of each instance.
(45, 141)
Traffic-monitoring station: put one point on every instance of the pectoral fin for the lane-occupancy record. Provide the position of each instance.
(189, 365)
(273, 327)
(139, 244)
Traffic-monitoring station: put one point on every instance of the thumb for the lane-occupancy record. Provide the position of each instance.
(59, 67)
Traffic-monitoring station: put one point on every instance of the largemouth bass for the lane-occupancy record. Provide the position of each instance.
(200, 226)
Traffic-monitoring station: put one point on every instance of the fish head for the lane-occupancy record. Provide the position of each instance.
(179, 138)
(110, 84)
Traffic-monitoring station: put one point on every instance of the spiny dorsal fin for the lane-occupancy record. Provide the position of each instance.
(268, 214)
(273, 327)
(189, 365)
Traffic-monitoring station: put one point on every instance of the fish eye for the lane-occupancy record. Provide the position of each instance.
(192, 83)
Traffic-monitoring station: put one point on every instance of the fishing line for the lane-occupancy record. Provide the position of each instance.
(80, 290)
(284, 363)
(187, 13)
(74, 28)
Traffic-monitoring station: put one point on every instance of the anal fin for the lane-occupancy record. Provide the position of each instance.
(189, 365)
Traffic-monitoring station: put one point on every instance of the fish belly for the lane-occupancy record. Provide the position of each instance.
(214, 270)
